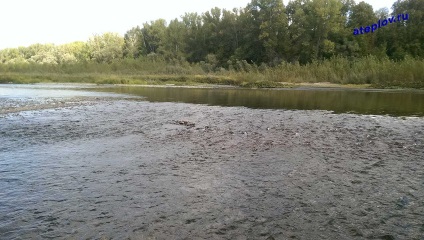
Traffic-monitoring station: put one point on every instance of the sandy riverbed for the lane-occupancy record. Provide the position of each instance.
(116, 168)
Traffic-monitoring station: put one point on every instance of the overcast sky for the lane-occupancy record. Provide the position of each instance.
(25, 22)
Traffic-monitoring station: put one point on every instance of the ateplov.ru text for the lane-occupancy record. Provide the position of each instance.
(381, 23)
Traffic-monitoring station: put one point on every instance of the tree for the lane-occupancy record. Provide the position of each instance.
(229, 33)
(273, 25)
(250, 47)
(153, 35)
(12, 55)
(44, 54)
(211, 30)
(195, 37)
(326, 21)
(173, 44)
(73, 52)
(79, 49)
(407, 35)
(300, 34)
(264, 32)
(362, 15)
(134, 45)
(105, 48)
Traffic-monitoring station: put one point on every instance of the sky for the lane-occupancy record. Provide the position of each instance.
(25, 22)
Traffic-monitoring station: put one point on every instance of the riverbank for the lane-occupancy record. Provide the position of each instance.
(336, 72)
(172, 80)
(165, 80)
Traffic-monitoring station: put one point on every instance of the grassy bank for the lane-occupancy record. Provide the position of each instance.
(379, 73)
(101, 78)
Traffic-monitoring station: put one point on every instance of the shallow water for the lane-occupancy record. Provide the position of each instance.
(359, 101)
(17, 98)
(109, 167)
(41, 91)
(381, 102)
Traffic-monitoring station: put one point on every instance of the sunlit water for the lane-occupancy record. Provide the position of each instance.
(41, 92)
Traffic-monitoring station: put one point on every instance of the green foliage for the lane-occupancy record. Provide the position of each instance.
(262, 44)
(134, 43)
(265, 31)
(382, 73)
(154, 34)
(173, 45)
(105, 48)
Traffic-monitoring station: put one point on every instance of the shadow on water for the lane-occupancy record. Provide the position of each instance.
(379, 102)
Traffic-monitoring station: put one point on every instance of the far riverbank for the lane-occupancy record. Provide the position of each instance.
(336, 72)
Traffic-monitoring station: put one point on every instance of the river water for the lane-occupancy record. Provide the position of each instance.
(371, 101)
(88, 162)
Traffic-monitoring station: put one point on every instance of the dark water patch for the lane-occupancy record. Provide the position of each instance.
(378, 102)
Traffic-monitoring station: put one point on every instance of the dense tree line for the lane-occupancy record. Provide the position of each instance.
(264, 32)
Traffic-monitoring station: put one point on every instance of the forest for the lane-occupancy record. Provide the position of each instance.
(264, 44)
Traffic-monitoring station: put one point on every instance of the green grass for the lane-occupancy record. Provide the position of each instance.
(369, 71)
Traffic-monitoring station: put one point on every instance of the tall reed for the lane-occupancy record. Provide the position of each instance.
(382, 73)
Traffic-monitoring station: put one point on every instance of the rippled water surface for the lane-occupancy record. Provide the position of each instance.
(82, 164)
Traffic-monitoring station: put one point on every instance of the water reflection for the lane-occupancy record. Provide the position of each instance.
(397, 103)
